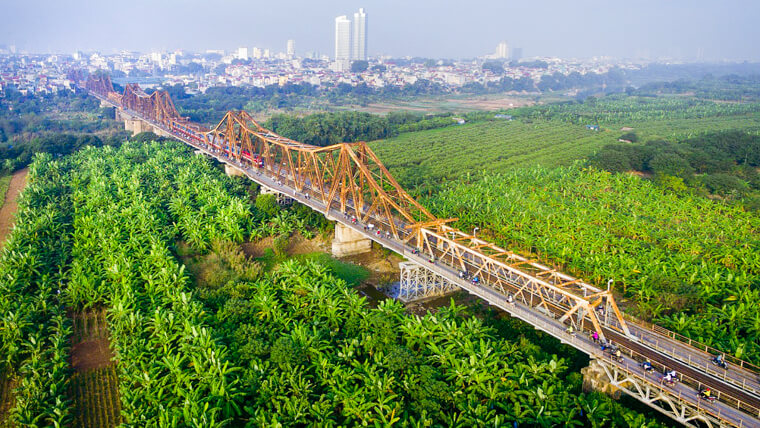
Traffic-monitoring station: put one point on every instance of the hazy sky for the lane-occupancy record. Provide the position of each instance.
(719, 29)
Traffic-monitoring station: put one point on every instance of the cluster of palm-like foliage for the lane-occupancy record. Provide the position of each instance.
(690, 263)
(34, 330)
(204, 209)
(171, 369)
(314, 353)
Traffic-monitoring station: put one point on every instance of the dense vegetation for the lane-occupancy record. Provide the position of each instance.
(210, 106)
(323, 129)
(295, 346)
(34, 329)
(718, 163)
(686, 262)
(59, 123)
(726, 88)
(675, 116)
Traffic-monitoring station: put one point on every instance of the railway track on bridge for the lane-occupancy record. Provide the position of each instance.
(349, 179)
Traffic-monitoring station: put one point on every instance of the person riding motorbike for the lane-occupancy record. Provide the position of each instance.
(720, 362)
(647, 365)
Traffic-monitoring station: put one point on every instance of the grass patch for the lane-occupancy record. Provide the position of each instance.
(353, 274)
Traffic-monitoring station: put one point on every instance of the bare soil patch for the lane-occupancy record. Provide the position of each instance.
(91, 348)
(8, 210)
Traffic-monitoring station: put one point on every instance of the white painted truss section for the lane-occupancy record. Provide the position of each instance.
(659, 397)
(417, 282)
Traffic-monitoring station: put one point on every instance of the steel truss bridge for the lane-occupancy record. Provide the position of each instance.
(348, 183)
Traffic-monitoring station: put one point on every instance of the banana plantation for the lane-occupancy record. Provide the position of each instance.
(97, 232)
(687, 262)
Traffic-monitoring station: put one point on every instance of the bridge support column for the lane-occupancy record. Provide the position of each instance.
(137, 126)
(595, 378)
(417, 282)
(233, 171)
(348, 242)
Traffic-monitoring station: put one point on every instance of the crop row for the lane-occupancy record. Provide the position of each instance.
(34, 331)
(171, 369)
(96, 394)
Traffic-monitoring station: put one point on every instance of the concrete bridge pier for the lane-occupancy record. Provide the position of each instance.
(132, 123)
(595, 378)
(137, 126)
(348, 242)
(233, 171)
(161, 133)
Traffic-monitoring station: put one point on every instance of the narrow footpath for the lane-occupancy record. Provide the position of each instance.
(8, 210)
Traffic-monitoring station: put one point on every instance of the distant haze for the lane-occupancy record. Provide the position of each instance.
(680, 29)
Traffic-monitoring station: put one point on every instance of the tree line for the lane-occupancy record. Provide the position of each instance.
(722, 163)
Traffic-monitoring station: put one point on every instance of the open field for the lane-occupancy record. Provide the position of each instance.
(446, 104)
(527, 141)
(495, 146)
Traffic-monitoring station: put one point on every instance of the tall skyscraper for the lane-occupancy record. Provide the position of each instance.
(359, 48)
(342, 38)
(291, 48)
(502, 50)
(242, 53)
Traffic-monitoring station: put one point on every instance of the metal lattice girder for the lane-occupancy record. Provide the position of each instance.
(657, 396)
(157, 106)
(417, 282)
(536, 285)
(348, 176)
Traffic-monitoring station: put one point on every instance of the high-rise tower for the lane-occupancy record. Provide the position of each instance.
(359, 48)
(291, 49)
(502, 50)
(342, 38)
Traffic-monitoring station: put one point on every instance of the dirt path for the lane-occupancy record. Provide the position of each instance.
(9, 204)
(94, 383)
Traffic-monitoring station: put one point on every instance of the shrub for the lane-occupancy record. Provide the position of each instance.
(267, 204)
(724, 184)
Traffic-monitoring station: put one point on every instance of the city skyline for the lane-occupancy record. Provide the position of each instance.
(650, 29)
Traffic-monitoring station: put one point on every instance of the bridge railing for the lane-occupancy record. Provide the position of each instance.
(707, 350)
(697, 385)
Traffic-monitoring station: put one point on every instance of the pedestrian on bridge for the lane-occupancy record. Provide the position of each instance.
(595, 337)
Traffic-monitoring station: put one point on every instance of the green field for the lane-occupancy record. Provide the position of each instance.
(554, 135)
(496, 146)
(688, 262)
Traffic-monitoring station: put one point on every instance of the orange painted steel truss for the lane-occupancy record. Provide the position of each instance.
(556, 294)
(348, 177)
(157, 106)
(351, 178)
